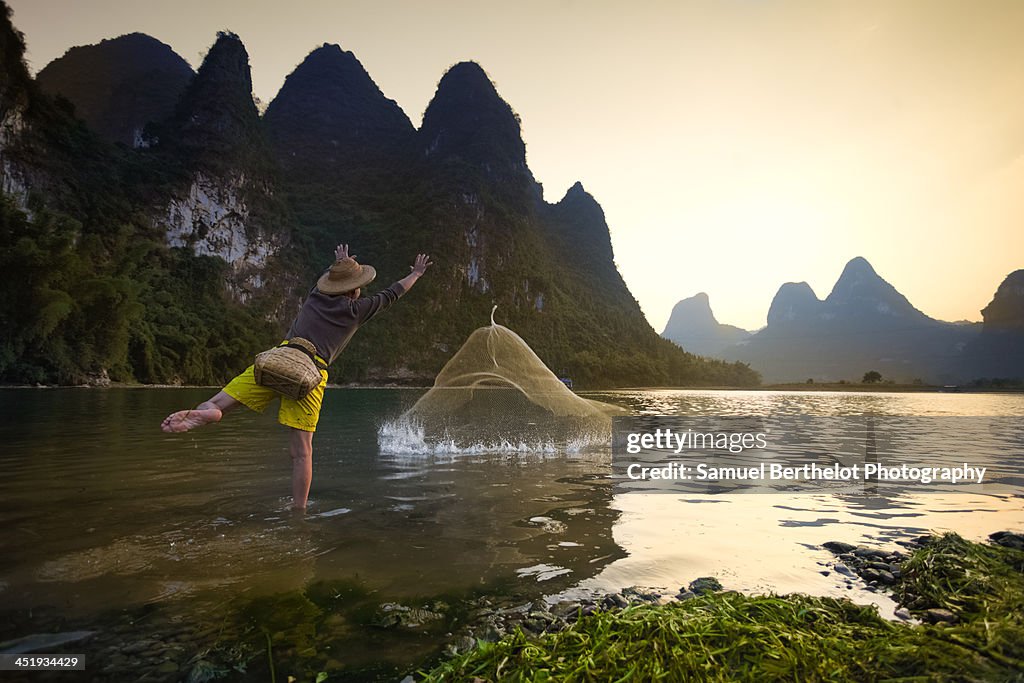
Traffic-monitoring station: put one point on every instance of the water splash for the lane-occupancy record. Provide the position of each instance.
(406, 436)
(495, 395)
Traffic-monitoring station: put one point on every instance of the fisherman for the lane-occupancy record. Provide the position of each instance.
(330, 315)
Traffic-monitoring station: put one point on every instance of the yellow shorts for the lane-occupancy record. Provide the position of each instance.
(302, 414)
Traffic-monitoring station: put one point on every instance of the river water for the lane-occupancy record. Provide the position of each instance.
(173, 548)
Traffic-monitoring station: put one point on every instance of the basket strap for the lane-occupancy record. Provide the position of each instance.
(317, 361)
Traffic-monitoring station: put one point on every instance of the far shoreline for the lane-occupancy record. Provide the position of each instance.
(834, 387)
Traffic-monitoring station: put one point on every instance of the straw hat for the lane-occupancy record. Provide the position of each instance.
(344, 276)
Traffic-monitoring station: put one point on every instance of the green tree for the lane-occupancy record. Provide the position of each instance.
(872, 377)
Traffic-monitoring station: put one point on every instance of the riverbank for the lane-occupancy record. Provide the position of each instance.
(890, 388)
(963, 602)
(961, 618)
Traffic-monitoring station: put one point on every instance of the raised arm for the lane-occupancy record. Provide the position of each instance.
(369, 306)
(416, 270)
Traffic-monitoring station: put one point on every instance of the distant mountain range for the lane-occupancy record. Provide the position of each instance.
(159, 229)
(863, 324)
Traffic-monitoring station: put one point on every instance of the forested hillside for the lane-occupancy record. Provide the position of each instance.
(178, 258)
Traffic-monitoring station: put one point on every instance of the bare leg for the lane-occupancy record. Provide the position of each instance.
(301, 447)
(205, 413)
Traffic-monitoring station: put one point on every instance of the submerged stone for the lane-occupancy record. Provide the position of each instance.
(705, 584)
(937, 615)
(39, 642)
(1008, 539)
(839, 547)
(392, 614)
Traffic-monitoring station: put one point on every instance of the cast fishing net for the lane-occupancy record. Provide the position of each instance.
(496, 394)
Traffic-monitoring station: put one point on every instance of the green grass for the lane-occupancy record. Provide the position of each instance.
(732, 637)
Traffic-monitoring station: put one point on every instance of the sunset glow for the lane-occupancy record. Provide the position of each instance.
(733, 145)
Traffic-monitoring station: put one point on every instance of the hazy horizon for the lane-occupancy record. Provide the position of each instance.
(733, 145)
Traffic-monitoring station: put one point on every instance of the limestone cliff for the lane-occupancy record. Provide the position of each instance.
(15, 87)
(223, 209)
(222, 201)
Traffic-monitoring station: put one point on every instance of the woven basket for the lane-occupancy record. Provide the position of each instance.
(287, 370)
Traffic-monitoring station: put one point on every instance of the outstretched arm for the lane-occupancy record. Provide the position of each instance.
(369, 306)
(420, 266)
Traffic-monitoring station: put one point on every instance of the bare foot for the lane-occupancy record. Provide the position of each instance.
(184, 420)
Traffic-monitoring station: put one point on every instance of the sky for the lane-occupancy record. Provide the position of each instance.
(734, 145)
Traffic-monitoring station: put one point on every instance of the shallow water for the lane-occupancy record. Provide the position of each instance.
(107, 520)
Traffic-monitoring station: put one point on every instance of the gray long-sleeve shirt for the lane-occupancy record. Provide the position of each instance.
(330, 321)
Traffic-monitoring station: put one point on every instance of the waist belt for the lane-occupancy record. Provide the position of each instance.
(307, 348)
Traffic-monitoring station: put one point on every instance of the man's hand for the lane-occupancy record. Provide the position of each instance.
(418, 268)
(341, 252)
(421, 264)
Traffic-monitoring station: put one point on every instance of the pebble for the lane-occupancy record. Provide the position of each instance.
(871, 553)
(641, 594)
(870, 575)
(491, 633)
(566, 609)
(902, 613)
(615, 600)
(537, 626)
(838, 546)
(705, 584)
(937, 615)
(455, 648)
(1008, 539)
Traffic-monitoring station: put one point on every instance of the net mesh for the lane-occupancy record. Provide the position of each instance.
(495, 393)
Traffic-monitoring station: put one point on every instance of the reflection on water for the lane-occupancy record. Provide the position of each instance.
(772, 542)
(101, 511)
(823, 403)
(884, 456)
(207, 513)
